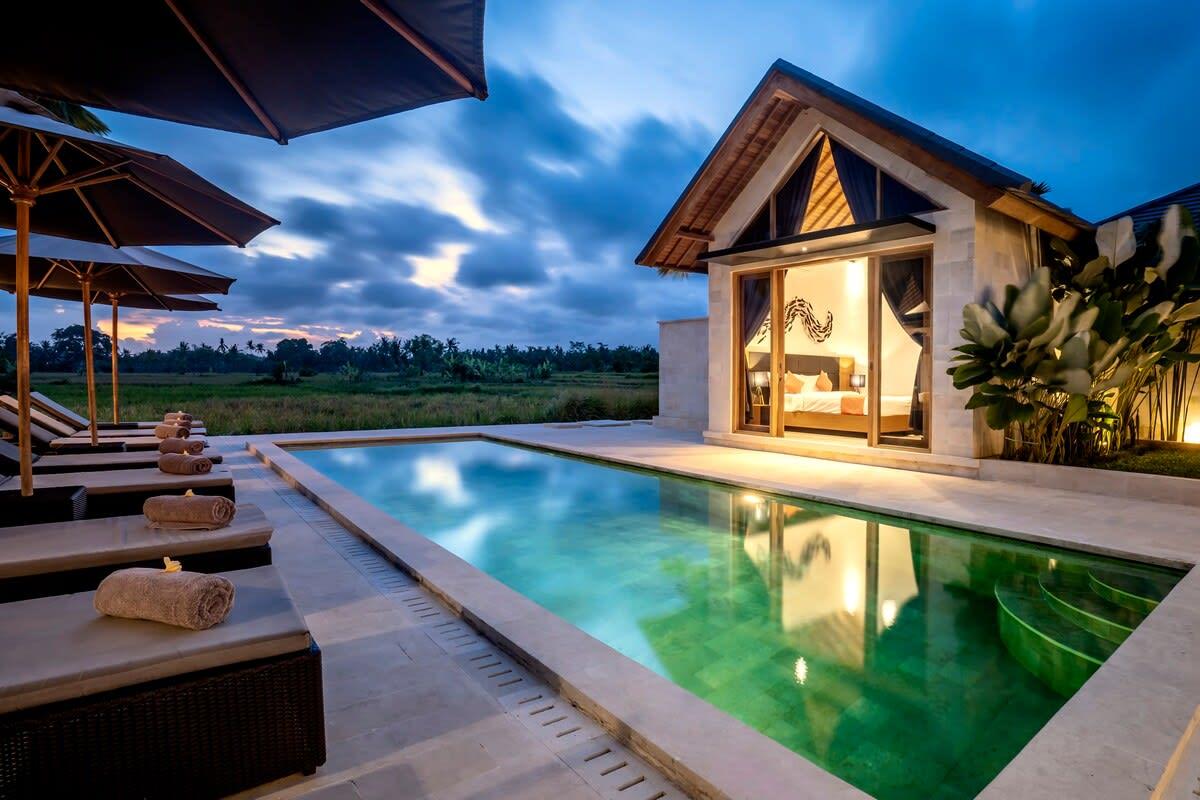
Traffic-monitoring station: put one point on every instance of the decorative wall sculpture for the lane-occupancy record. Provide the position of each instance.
(799, 308)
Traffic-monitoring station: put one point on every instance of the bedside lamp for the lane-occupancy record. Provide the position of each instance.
(759, 380)
(857, 382)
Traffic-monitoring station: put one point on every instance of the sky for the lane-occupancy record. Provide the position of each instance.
(518, 219)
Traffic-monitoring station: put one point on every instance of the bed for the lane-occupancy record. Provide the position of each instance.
(842, 409)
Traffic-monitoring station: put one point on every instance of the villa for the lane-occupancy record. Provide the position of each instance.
(867, 234)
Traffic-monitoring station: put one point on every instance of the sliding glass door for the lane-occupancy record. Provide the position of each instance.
(849, 356)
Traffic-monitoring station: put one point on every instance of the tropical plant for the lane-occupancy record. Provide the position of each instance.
(1065, 362)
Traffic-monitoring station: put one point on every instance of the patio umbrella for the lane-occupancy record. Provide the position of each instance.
(90, 188)
(272, 68)
(138, 277)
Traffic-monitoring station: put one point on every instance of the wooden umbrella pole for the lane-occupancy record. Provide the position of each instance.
(113, 336)
(89, 358)
(23, 203)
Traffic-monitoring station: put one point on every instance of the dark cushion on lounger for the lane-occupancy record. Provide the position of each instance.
(59, 648)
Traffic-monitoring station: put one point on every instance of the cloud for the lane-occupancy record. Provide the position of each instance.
(500, 261)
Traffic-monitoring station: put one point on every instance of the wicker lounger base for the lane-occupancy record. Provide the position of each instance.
(121, 504)
(25, 587)
(203, 735)
(56, 504)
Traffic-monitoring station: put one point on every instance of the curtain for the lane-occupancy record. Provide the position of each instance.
(756, 305)
(897, 200)
(902, 282)
(759, 229)
(792, 198)
(858, 177)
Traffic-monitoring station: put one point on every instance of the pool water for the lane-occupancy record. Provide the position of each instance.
(910, 660)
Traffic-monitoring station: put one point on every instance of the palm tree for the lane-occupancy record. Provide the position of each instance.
(73, 114)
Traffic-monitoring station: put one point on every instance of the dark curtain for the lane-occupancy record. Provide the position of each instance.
(857, 176)
(756, 305)
(792, 198)
(903, 284)
(759, 229)
(897, 200)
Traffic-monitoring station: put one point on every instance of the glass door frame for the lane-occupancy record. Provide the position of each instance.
(776, 427)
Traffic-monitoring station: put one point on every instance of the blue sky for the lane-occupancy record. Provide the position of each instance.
(517, 219)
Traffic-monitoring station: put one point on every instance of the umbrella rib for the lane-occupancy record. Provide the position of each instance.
(84, 177)
(8, 172)
(162, 198)
(146, 288)
(422, 45)
(219, 197)
(50, 156)
(230, 76)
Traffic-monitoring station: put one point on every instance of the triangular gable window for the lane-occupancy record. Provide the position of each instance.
(831, 188)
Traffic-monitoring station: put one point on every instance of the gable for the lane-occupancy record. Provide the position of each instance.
(831, 187)
(685, 234)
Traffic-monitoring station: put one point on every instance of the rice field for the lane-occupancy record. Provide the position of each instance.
(246, 404)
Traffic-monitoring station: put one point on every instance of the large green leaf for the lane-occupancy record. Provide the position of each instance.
(1076, 409)
(1033, 300)
(971, 374)
(1115, 240)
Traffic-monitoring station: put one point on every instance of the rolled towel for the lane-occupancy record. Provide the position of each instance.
(172, 416)
(174, 444)
(166, 431)
(188, 512)
(190, 600)
(184, 464)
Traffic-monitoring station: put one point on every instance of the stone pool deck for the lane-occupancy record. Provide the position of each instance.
(1114, 739)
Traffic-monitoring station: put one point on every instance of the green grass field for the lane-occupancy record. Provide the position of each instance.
(243, 403)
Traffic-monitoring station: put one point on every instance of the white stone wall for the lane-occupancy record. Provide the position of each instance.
(683, 373)
(974, 248)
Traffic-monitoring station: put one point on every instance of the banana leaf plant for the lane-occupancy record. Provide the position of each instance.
(1063, 362)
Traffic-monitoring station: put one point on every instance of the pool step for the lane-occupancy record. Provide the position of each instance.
(1072, 597)
(1141, 593)
(1044, 641)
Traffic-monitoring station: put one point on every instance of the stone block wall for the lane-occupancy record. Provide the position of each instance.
(683, 374)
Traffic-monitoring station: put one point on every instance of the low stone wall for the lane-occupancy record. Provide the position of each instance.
(1109, 482)
(683, 374)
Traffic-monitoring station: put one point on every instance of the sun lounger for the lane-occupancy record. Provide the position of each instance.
(46, 441)
(94, 706)
(115, 493)
(82, 462)
(63, 429)
(61, 412)
(44, 560)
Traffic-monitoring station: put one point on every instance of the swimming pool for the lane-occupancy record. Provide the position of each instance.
(910, 660)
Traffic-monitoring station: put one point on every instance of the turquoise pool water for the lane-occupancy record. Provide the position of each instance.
(910, 660)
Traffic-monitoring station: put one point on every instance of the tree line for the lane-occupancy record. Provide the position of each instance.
(422, 354)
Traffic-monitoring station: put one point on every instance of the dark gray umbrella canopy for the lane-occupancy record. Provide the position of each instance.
(100, 190)
(273, 68)
(57, 263)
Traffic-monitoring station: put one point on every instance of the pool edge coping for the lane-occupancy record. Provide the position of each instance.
(1025, 773)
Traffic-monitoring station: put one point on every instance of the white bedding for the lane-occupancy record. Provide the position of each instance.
(831, 403)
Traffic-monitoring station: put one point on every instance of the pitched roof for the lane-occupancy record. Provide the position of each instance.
(1152, 210)
(785, 91)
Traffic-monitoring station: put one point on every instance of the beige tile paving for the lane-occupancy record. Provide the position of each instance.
(406, 717)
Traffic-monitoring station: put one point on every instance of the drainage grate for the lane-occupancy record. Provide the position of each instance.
(617, 773)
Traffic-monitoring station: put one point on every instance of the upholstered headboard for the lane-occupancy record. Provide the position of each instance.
(838, 368)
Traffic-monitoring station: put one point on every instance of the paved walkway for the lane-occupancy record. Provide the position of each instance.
(416, 704)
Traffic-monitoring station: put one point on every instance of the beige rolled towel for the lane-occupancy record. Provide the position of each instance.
(184, 464)
(166, 431)
(174, 444)
(174, 416)
(188, 512)
(186, 599)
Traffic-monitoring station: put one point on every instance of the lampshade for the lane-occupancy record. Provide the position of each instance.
(760, 379)
(858, 381)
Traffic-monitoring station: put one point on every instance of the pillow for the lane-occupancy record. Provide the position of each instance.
(823, 384)
(793, 384)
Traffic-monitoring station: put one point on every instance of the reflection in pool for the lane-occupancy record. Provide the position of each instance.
(910, 660)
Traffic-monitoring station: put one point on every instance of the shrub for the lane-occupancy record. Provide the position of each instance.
(1064, 363)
